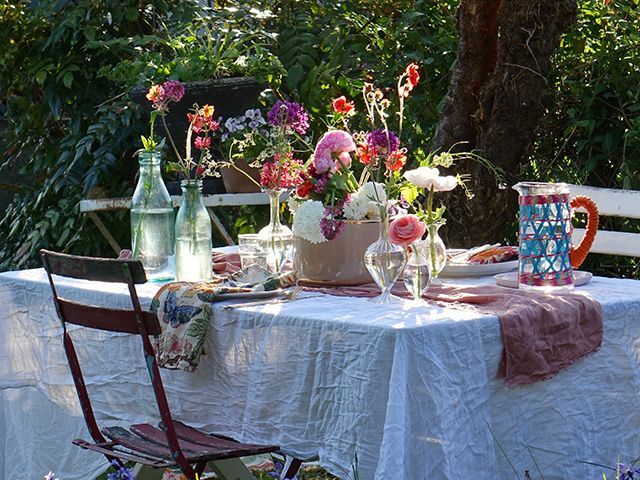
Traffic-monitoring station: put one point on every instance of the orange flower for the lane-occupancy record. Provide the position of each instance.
(396, 160)
(207, 111)
(363, 153)
(154, 93)
(413, 77)
(341, 105)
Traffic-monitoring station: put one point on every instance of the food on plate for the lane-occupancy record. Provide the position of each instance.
(494, 255)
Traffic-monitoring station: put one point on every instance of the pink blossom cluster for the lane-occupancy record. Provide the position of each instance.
(281, 173)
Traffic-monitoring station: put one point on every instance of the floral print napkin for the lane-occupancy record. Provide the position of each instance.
(184, 310)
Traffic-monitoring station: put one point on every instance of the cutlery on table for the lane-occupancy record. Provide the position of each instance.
(288, 297)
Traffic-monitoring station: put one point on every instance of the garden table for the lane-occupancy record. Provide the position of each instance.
(410, 389)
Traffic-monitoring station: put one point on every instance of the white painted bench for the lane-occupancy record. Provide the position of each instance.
(611, 203)
(92, 206)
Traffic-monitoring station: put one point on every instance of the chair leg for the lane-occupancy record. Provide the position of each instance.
(291, 467)
(231, 469)
(145, 472)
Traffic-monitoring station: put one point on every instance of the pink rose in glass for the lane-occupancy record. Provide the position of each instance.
(332, 151)
(406, 229)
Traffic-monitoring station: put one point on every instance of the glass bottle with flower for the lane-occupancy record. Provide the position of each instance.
(273, 145)
(193, 226)
(152, 215)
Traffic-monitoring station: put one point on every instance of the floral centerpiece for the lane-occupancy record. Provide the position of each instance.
(272, 145)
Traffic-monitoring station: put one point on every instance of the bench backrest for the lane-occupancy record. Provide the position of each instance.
(612, 203)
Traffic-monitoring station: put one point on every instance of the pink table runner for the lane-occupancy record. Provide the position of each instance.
(541, 334)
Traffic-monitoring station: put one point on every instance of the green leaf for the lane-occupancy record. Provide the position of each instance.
(409, 192)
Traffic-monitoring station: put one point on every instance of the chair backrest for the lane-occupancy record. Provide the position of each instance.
(612, 203)
(134, 321)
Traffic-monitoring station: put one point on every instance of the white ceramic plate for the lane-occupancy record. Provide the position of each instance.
(511, 279)
(477, 270)
(261, 294)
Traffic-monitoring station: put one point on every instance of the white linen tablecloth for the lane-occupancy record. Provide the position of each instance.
(410, 390)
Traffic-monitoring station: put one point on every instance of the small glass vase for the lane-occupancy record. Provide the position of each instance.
(276, 239)
(152, 221)
(436, 249)
(193, 235)
(417, 271)
(385, 261)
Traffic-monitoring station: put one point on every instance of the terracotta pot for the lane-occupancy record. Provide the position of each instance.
(236, 181)
(339, 261)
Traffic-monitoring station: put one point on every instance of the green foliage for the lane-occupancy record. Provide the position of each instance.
(71, 129)
(329, 49)
(225, 42)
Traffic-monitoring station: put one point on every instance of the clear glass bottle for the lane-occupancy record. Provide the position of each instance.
(152, 221)
(437, 251)
(385, 261)
(276, 239)
(417, 271)
(193, 235)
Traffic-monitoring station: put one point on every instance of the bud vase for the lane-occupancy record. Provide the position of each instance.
(276, 239)
(193, 235)
(417, 271)
(152, 221)
(436, 250)
(385, 261)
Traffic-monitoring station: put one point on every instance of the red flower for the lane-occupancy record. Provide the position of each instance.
(364, 154)
(413, 77)
(202, 143)
(200, 169)
(396, 160)
(304, 189)
(341, 105)
(213, 125)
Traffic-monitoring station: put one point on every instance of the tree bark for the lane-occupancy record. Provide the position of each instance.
(494, 103)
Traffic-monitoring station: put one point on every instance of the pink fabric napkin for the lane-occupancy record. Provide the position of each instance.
(225, 262)
(541, 334)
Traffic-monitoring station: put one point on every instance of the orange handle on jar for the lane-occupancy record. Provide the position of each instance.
(579, 253)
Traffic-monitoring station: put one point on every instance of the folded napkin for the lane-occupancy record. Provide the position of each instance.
(541, 334)
(225, 262)
(184, 310)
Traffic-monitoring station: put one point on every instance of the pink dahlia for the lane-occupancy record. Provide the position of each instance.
(332, 151)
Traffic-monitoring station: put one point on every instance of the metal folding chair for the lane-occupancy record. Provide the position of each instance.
(171, 444)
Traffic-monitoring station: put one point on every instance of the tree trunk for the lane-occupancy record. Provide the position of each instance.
(494, 103)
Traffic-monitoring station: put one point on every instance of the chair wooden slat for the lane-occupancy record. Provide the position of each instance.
(111, 449)
(195, 436)
(110, 319)
(611, 202)
(612, 243)
(96, 269)
(157, 436)
(127, 439)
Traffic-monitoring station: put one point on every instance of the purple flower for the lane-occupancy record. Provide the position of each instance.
(289, 114)
(378, 140)
(121, 473)
(329, 225)
(278, 471)
(173, 90)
